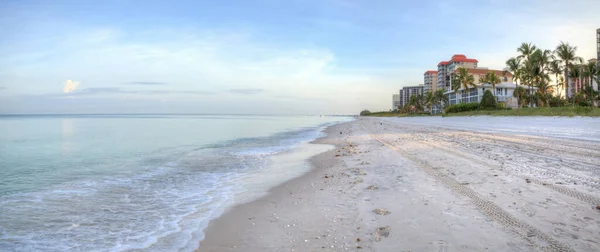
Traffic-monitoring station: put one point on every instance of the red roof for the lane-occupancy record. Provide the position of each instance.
(465, 60)
(462, 58)
(458, 56)
(431, 72)
(443, 63)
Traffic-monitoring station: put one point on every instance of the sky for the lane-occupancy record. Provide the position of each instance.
(258, 57)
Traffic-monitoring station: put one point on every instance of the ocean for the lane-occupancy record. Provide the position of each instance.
(139, 182)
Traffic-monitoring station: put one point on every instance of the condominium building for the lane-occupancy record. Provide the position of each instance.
(395, 101)
(503, 91)
(447, 69)
(430, 81)
(407, 92)
(598, 43)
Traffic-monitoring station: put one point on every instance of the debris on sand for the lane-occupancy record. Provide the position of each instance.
(357, 239)
(382, 232)
(527, 180)
(357, 181)
(372, 187)
(598, 207)
(381, 211)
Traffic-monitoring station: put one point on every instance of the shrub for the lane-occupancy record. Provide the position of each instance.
(585, 104)
(557, 102)
(580, 110)
(501, 106)
(488, 101)
(462, 107)
(365, 112)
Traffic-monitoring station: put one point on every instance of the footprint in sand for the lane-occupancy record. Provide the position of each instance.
(382, 232)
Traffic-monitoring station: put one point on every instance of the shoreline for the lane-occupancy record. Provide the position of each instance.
(394, 185)
(213, 240)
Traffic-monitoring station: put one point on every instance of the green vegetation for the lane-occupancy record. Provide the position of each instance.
(488, 101)
(533, 67)
(462, 107)
(561, 111)
(365, 112)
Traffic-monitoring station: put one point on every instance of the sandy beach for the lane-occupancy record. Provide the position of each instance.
(400, 185)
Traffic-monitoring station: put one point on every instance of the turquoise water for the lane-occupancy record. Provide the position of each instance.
(122, 182)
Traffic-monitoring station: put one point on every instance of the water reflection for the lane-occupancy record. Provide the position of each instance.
(67, 130)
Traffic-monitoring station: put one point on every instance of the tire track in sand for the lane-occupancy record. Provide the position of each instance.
(564, 190)
(488, 208)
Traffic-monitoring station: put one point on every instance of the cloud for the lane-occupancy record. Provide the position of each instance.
(247, 91)
(149, 83)
(70, 86)
(1, 88)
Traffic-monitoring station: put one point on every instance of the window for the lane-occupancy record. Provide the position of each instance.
(473, 92)
(505, 91)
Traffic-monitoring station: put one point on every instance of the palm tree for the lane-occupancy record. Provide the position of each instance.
(465, 81)
(428, 98)
(439, 98)
(590, 71)
(520, 92)
(514, 66)
(556, 69)
(526, 50)
(530, 70)
(567, 55)
(493, 79)
(543, 89)
(574, 74)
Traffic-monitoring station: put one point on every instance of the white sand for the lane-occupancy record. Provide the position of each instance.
(445, 190)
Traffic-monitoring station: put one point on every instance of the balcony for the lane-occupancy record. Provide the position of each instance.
(503, 98)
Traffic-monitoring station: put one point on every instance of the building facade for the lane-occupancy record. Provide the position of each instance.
(447, 69)
(503, 91)
(407, 92)
(598, 43)
(430, 81)
(395, 101)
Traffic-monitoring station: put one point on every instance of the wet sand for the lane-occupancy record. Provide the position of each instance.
(394, 185)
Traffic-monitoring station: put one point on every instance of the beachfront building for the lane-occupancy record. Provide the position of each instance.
(503, 91)
(447, 69)
(407, 92)
(579, 84)
(395, 101)
(598, 43)
(430, 81)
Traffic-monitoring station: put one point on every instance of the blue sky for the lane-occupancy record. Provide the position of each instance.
(272, 57)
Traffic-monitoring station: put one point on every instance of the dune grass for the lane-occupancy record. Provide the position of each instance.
(559, 111)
